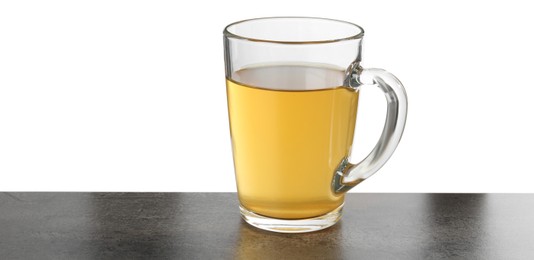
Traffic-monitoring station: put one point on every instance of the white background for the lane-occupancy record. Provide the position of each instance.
(130, 95)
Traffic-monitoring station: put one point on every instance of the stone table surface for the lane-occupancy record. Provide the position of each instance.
(208, 226)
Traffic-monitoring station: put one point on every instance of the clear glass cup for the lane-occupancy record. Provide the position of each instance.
(292, 88)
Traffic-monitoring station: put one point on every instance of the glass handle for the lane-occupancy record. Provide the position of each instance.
(349, 175)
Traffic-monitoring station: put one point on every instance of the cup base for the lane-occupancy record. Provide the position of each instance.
(291, 225)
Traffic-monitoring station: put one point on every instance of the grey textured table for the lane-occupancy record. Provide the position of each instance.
(208, 226)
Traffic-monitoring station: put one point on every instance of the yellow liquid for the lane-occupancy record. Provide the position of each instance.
(288, 143)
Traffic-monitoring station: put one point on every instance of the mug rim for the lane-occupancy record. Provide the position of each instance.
(229, 34)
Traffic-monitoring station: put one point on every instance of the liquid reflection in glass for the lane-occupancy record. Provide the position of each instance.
(253, 243)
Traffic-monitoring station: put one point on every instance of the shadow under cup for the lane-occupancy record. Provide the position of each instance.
(292, 101)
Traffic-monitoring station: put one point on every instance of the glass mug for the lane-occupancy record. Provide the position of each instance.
(292, 87)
